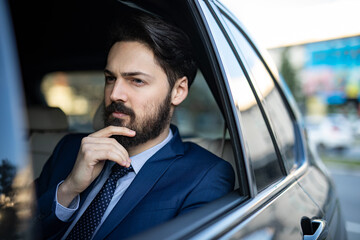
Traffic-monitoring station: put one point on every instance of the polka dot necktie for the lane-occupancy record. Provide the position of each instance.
(91, 218)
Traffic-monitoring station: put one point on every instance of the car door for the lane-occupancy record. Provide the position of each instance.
(269, 204)
(312, 178)
(274, 191)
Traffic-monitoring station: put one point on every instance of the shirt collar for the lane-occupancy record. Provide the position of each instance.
(140, 159)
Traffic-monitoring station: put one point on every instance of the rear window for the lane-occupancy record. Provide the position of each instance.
(77, 94)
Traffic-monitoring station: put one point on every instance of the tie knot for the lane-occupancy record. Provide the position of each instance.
(119, 171)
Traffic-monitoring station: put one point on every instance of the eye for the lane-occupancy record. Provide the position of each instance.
(138, 82)
(109, 79)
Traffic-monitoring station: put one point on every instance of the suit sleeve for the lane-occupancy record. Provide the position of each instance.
(216, 182)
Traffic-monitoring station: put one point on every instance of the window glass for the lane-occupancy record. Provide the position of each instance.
(257, 139)
(265, 87)
(77, 94)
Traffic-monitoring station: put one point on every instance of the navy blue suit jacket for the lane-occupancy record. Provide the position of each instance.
(178, 178)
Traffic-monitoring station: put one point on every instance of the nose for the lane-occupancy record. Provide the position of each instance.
(119, 91)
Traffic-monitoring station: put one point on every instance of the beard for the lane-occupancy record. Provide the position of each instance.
(147, 128)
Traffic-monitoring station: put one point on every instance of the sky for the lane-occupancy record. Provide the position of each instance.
(276, 23)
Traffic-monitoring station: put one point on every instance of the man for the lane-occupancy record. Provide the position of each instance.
(136, 172)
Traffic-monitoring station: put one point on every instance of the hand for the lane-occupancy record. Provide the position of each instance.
(94, 150)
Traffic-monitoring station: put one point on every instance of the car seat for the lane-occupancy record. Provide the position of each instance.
(47, 125)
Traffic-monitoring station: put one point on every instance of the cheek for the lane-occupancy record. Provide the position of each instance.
(145, 108)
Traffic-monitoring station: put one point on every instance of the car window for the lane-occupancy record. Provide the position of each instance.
(199, 115)
(77, 94)
(257, 139)
(265, 88)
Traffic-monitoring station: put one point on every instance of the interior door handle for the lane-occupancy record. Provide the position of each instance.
(314, 229)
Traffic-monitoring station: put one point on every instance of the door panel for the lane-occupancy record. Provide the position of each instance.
(320, 188)
(279, 218)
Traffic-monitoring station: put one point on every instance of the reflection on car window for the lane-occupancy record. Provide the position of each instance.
(266, 90)
(77, 94)
(256, 135)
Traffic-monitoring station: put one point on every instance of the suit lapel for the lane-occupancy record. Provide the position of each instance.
(147, 177)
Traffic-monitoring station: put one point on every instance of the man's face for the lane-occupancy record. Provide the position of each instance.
(137, 94)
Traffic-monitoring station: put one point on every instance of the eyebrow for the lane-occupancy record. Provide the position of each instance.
(127, 74)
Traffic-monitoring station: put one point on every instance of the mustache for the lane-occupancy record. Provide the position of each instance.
(119, 107)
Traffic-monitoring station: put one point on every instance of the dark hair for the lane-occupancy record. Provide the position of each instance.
(171, 46)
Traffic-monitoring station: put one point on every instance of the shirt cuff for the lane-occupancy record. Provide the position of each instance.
(65, 213)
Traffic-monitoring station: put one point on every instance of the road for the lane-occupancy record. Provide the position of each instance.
(347, 182)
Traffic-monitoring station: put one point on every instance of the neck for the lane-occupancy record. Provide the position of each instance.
(149, 144)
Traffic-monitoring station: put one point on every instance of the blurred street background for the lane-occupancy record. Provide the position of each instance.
(316, 47)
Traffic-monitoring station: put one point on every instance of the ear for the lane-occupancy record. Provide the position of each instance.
(179, 91)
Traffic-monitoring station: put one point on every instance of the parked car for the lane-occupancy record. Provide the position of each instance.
(355, 126)
(282, 190)
(332, 132)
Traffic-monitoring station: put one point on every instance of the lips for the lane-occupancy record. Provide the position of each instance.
(119, 115)
(117, 112)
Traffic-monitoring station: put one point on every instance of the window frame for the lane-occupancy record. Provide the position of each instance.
(215, 14)
(288, 163)
(286, 96)
(280, 85)
(229, 110)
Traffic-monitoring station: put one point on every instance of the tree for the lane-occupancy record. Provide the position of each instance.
(7, 174)
(289, 74)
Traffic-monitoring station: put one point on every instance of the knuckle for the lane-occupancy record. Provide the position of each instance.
(113, 141)
(85, 147)
(84, 140)
(110, 155)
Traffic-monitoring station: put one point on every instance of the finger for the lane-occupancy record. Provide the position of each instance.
(91, 145)
(118, 158)
(96, 156)
(113, 130)
(121, 163)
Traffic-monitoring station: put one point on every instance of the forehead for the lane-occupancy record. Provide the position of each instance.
(132, 56)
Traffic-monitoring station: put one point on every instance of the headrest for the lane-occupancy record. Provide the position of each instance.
(98, 120)
(42, 118)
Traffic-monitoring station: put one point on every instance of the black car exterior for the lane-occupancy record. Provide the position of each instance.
(283, 190)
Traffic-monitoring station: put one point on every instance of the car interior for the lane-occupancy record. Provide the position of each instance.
(70, 37)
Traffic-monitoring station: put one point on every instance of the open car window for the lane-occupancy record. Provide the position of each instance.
(199, 115)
